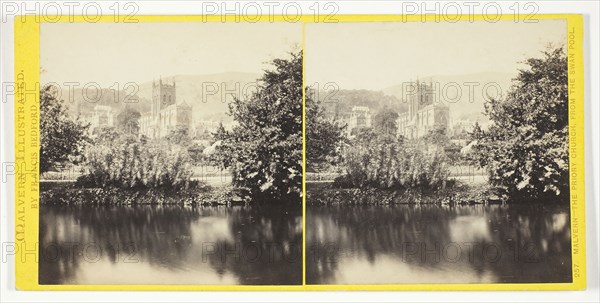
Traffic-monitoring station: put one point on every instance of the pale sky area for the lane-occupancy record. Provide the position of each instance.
(379, 55)
(106, 53)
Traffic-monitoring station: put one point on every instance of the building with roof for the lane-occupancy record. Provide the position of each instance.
(166, 114)
(360, 118)
(423, 113)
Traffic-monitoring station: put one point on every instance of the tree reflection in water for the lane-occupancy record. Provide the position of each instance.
(438, 244)
(170, 245)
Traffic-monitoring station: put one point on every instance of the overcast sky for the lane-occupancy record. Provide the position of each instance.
(379, 55)
(106, 53)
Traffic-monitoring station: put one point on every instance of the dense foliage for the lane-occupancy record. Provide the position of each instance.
(339, 101)
(378, 158)
(526, 148)
(324, 136)
(384, 122)
(181, 136)
(127, 161)
(264, 149)
(62, 138)
(128, 120)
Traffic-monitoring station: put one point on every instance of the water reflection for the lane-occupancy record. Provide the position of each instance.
(170, 245)
(438, 244)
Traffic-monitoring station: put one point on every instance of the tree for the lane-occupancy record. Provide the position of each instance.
(220, 158)
(526, 148)
(323, 136)
(195, 151)
(128, 120)
(180, 136)
(343, 100)
(476, 156)
(437, 136)
(62, 138)
(265, 147)
(384, 122)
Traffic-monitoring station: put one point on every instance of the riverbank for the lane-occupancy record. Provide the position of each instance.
(68, 193)
(319, 194)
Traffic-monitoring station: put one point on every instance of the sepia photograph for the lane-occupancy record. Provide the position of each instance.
(170, 153)
(437, 153)
(318, 151)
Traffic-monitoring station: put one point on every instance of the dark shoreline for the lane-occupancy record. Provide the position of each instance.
(317, 194)
(323, 194)
(68, 193)
(326, 194)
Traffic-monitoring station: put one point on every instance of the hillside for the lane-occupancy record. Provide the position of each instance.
(207, 94)
(469, 102)
(340, 102)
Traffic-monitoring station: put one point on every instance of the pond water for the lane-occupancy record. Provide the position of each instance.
(170, 245)
(438, 244)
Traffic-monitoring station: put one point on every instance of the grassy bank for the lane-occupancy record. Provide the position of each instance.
(459, 194)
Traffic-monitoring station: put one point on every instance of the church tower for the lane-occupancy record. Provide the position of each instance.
(163, 95)
(423, 95)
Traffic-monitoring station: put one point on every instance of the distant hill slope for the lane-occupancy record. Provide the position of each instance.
(466, 104)
(340, 102)
(207, 94)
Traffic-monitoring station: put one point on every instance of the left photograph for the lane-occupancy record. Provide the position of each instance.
(170, 153)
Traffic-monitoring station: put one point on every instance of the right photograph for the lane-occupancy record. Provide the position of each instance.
(437, 152)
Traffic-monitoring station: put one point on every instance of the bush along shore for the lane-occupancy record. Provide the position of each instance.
(198, 195)
(327, 194)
